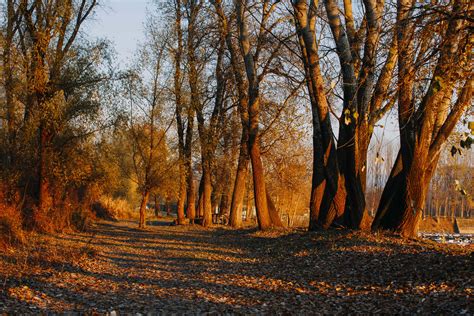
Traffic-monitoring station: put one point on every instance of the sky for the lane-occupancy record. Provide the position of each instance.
(122, 22)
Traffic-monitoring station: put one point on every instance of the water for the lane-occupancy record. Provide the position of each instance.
(445, 238)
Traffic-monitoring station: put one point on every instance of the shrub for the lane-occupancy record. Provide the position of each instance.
(81, 219)
(109, 208)
(11, 231)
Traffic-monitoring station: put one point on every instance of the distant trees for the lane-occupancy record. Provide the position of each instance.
(147, 126)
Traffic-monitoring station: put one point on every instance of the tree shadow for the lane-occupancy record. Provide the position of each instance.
(179, 269)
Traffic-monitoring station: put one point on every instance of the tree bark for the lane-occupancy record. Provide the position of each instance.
(43, 190)
(425, 127)
(325, 176)
(206, 194)
(260, 194)
(181, 195)
(239, 185)
(142, 221)
(183, 167)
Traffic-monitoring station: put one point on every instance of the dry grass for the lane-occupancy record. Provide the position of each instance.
(436, 225)
(11, 232)
(113, 208)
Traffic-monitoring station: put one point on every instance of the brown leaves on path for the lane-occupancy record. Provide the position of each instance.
(190, 269)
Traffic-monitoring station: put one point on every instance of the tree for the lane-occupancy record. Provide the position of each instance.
(427, 113)
(339, 175)
(225, 28)
(149, 152)
(47, 31)
(267, 216)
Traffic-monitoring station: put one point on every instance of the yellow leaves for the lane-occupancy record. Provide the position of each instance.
(348, 116)
(300, 290)
(470, 125)
(438, 84)
(458, 187)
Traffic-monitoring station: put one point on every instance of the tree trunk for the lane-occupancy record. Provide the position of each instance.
(145, 197)
(224, 205)
(239, 185)
(191, 198)
(43, 190)
(403, 199)
(157, 207)
(206, 197)
(325, 176)
(168, 206)
(8, 81)
(200, 203)
(260, 194)
(181, 196)
(273, 212)
(393, 192)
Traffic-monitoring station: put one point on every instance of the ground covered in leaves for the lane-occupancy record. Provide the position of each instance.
(117, 268)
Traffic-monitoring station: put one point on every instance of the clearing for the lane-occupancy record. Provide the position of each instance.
(177, 269)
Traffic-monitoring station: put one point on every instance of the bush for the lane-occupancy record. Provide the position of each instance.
(11, 231)
(81, 219)
(109, 208)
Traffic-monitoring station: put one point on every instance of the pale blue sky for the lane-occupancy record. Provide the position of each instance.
(121, 21)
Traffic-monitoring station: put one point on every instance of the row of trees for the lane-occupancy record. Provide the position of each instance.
(228, 82)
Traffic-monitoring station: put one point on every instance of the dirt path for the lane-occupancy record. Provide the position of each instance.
(118, 268)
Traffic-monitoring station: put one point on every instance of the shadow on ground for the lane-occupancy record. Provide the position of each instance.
(187, 268)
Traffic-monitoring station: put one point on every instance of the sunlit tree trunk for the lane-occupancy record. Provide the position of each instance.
(260, 194)
(325, 170)
(426, 124)
(235, 216)
(179, 110)
(143, 204)
(338, 185)
(235, 219)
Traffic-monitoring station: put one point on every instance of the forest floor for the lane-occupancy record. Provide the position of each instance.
(116, 268)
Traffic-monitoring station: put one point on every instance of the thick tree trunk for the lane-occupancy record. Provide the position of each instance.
(142, 220)
(324, 182)
(206, 198)
(239, 185)
(224, 204)
(273, 212)
(332, 206)
(403, 199)
(387, 217)
(260, 194)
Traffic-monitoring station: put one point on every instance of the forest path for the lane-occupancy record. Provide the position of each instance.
(117, 267)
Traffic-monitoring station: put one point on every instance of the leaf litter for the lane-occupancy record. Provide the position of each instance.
(117, 269)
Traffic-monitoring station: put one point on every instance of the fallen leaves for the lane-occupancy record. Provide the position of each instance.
(181, 269)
